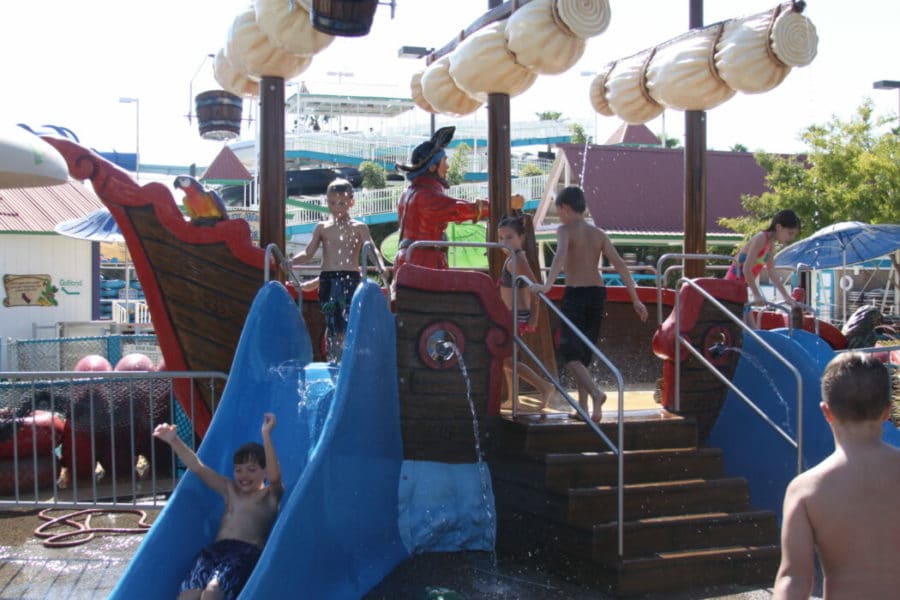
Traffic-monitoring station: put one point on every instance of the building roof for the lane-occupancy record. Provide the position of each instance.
(640, 190)
(633, 135)
(39, 209)
(226, 167)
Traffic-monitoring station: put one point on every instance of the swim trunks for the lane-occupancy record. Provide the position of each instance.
(230, 562)
(335, 294)
(584, 307)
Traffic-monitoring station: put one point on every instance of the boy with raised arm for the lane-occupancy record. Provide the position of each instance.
(342, 239)
(845, 507)
(579, 249)
(222, 568)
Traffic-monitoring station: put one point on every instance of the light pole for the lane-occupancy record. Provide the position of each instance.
(887, 84)
(137, 134)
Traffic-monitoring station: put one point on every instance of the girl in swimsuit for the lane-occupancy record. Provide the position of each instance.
(511, 232)
(758, 253)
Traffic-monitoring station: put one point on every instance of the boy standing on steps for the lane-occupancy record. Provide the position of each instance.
(580, 248)
(845, 507)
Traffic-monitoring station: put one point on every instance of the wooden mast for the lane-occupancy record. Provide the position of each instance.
(695, 173)
(271, 162)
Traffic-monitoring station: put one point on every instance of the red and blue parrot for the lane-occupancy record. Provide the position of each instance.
(203, 206)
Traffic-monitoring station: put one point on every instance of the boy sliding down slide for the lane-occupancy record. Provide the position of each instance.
(222, 568)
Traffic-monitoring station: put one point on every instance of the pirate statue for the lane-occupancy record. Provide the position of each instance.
(424, 209)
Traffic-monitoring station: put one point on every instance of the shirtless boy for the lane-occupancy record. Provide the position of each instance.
(341, 239)
(223, 567)
(580, 248)
(845, 507)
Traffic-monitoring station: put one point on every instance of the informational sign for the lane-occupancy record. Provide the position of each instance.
(252, 218)
(29, 290)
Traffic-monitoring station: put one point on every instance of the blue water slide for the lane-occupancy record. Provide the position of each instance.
(274, 336)
(338, 441)
(752, 449)
(337, 535)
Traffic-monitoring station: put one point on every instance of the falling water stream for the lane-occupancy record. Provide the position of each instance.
(482, 467)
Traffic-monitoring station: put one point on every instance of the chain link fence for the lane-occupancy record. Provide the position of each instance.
(62, 354)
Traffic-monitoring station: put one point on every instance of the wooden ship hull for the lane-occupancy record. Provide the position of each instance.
(199, 281)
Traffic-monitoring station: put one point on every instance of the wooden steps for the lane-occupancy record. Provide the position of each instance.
(686, 524)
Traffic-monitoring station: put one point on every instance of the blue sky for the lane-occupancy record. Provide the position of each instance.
(68, 63)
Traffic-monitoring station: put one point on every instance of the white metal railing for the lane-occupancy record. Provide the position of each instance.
(384, 200)
(130, 311)
(77, 438)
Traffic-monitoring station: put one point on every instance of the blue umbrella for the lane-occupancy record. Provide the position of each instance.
(97, 226)
(841, 244)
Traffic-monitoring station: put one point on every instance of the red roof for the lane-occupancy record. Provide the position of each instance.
(641, 189)
(39, 209)
(226, 166)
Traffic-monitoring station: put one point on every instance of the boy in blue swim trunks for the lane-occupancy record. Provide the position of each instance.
(223, 567)
(341, 239)
(579, 250)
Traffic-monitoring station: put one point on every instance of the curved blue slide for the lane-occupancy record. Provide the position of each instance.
(752, 449)
(338, 441)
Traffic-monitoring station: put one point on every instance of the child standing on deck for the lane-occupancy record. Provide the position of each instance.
(341, 239)
(580, 248)
(845, 507)
(223, 567)
(511, 232)
(759, 252)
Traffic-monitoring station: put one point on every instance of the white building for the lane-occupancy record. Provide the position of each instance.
(47, 278)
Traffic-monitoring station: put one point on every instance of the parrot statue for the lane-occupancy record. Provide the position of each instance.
(203, 206)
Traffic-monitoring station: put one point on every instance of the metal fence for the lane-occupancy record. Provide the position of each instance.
(73, 438)
(62, 354)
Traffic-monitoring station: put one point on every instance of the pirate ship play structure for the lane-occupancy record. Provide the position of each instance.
(397, 423)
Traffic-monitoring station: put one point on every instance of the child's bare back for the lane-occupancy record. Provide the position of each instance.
(850, 501)
(586, 244)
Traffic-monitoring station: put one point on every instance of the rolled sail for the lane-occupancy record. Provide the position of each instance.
(540, 40)
(252, 52)
(442, 93)
(418, 96)
(233, 80)
(626, 92)
(584, 18)
(287, 24)
(483, 64)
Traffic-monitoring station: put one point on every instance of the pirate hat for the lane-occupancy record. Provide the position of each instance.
(425, 151)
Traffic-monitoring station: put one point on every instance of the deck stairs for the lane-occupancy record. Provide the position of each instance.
(687, 525)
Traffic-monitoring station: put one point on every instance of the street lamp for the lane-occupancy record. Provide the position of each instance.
(137, 134)
(887, 84)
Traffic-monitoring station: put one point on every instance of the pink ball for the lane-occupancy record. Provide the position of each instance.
(93, 362)
(134, 362)
(161, 366)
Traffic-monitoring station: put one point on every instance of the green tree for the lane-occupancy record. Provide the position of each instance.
(579, 136)
(549, 115)
(456, 172)
(850, 172)
(373, 175)
(739, 148)
(668, 142)
(530, 169)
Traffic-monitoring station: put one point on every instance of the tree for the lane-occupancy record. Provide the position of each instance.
(850, 172)
(669, 142)
(549, 115)
(530, 169)
(579, 136)
(373, 175)
(739, 148)
(456, 172)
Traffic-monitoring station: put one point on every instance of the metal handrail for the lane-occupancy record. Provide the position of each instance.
(673, 255)
(367, 251)
(747, 330)
(518, 341)
(286, 267)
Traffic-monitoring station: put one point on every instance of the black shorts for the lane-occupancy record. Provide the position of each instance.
(584, 306)
(230, 562)
(336, 290)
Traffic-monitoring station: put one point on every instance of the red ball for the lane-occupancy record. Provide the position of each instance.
(93, 362)
(134, 362)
